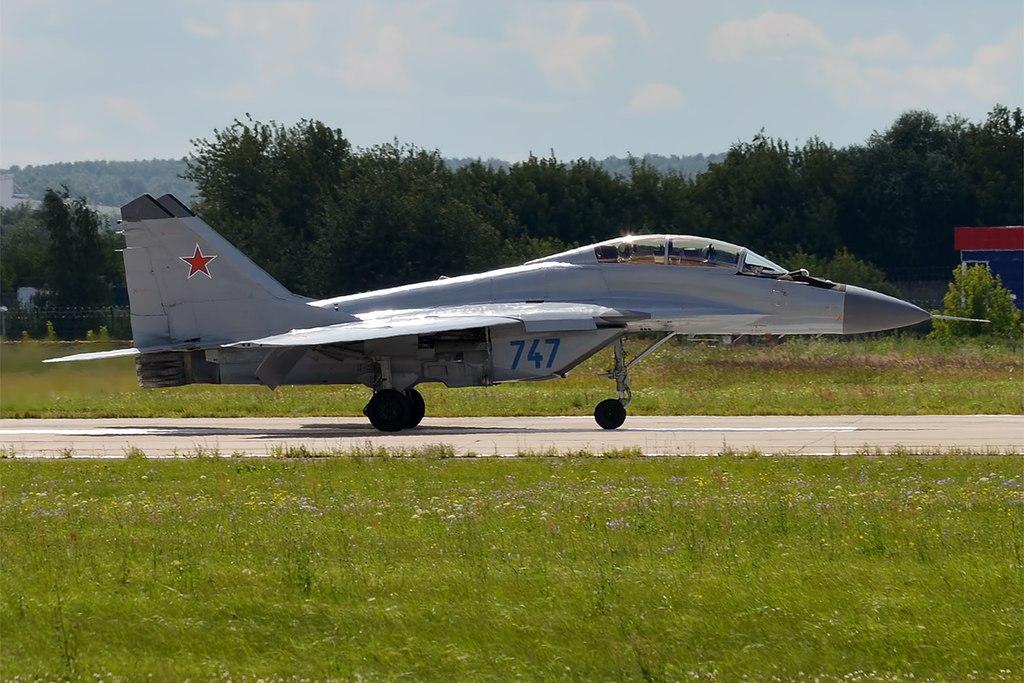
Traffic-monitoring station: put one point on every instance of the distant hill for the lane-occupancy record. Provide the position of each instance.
(113, 183)
(109, 183)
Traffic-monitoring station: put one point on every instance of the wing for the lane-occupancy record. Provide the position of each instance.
(535, 317)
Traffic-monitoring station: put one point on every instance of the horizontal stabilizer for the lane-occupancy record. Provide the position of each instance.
(121, 353)
(95, 355)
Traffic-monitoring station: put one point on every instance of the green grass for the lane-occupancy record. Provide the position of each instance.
(799, 377)
(836, 568)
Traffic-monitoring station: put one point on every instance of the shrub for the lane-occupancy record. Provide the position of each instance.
(51, 334)
(102, 335)
(843, 267)
(976, 293)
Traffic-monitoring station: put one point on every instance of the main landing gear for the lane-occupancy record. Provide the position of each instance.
(611, 412)
(391, 410)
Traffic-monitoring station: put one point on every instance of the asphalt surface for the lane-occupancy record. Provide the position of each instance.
(692, 435)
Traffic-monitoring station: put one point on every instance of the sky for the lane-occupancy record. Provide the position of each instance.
(113, 79)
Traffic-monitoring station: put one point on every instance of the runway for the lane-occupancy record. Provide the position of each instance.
(505, 436)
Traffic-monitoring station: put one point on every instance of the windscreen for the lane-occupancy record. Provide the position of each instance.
(756, 263)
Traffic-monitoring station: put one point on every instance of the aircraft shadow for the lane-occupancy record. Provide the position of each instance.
(341, 431)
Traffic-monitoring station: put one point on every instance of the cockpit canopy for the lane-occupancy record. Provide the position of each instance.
(683, 250)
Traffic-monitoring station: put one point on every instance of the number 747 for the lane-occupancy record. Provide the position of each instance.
(535, 353)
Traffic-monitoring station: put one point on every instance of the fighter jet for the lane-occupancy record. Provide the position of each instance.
(202, 312)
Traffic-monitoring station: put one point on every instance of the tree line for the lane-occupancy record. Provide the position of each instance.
(325, 217)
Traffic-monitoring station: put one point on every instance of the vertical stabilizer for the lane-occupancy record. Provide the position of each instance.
(186, 283)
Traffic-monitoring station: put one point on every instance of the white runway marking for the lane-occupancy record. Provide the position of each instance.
(96, 431)
(739, 429)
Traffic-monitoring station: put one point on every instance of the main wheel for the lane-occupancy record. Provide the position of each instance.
(417, 407)
(610, 413)
(388, 410)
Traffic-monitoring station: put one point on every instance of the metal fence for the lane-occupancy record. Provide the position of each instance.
(67, 323)
(924, 293)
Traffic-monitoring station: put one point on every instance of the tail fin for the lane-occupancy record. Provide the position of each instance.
(187, 284)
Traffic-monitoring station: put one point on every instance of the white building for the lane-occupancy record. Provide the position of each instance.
(8, 197)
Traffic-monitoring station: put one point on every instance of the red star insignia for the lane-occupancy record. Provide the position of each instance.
(197, 263)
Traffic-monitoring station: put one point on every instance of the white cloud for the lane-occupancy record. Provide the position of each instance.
(130, 112)
(278, 37)
(893, 46)
(632, 15)
(770, 34)
(992, 74)
(389, 47)
(36, 131)
(377, 45)
(566, 55)
(362, 45)
(198, 28)
(940, 47)
(28, 121)
(885, 46)
(282, 23)
(879, 72)
(376, 60)
(656, 98)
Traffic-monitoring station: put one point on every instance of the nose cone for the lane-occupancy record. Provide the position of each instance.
(868, 311)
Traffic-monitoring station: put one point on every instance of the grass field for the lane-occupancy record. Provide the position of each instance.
(833, 568)
(894, 375)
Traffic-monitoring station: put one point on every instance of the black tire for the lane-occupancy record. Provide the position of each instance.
(610, 413)
(388, 410)
(417, 407)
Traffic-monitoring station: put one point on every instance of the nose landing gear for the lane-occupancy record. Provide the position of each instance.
(611, 412)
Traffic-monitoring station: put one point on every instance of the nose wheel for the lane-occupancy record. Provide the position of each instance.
(611, 412)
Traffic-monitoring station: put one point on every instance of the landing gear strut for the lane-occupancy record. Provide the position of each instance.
(611, 412)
